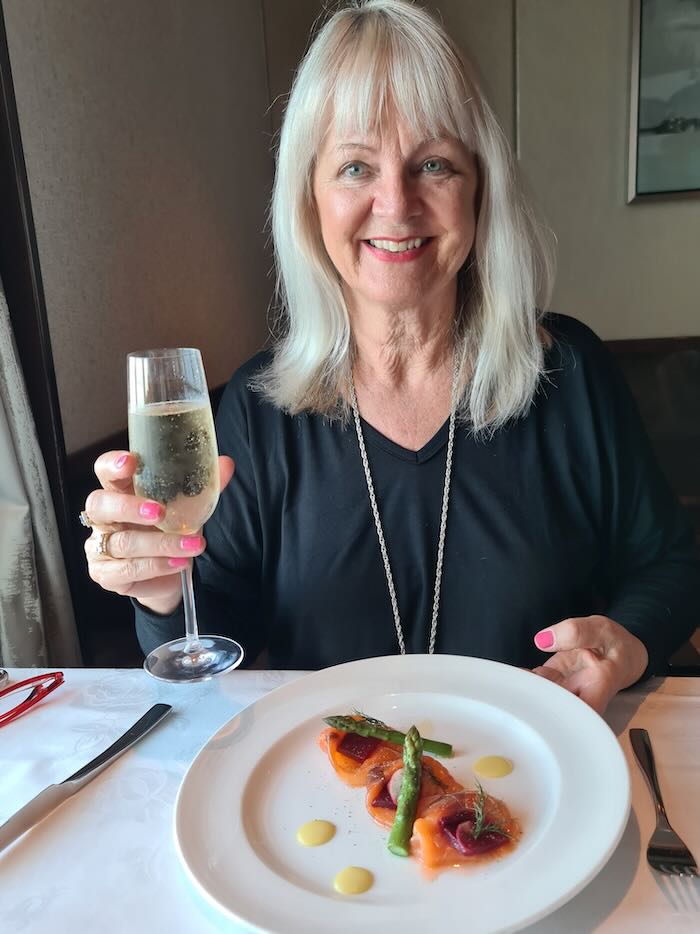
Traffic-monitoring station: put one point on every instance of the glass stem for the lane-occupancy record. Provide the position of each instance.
(191, 630)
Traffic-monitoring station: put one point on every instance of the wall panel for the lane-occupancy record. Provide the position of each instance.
(146, 138)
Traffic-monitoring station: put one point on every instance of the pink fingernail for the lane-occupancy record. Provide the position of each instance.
(150, 510)
(544, 639)
(178, 562)
(120, 461)
(190, 543)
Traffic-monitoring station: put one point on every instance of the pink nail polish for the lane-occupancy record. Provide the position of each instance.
(178, 562)
(120, 461)
(150, 510)
(544, 639)
(190, 543)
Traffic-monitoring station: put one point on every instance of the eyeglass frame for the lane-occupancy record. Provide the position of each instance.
(45, 684)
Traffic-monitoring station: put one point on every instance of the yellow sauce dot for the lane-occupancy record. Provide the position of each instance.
(315, 833)
(353, 881)
(493, 766)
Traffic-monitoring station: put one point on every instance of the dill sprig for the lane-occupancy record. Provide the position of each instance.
(480, 814)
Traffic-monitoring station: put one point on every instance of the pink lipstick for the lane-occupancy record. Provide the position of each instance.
(386, 256)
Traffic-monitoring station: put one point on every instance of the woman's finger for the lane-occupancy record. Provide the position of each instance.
(549, 674)
(108, 507)
(145, 543)
(580, 632)
(226, 470)
(115, 470)
(166, 589)
(597, 694)
(584, 673)
(119, 576)
(159, 589)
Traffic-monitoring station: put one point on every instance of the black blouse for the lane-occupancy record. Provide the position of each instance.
(561, 513)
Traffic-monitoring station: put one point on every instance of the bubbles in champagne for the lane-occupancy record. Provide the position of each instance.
(176, 446)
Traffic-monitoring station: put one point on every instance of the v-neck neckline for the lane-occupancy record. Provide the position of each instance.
(429, 449)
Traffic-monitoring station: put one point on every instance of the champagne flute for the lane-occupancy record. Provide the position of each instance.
(171, 431)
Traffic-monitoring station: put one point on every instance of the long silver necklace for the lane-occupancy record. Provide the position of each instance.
(378, 521)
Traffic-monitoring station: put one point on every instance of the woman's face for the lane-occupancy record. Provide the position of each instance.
(397, 215)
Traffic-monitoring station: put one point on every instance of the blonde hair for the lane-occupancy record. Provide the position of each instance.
(370, 58)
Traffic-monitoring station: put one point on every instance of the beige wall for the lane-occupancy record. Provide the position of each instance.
(628, 270)
(484, 30)
(147, 128)
(146, 138)
(288, 24)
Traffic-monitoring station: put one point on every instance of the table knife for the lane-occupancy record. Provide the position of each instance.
(50, 798)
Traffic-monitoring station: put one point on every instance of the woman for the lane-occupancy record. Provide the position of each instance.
(424, 460)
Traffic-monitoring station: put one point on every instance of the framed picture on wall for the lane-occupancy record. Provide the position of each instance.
(664, 148)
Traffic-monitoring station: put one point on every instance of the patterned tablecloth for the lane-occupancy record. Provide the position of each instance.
(105, 861)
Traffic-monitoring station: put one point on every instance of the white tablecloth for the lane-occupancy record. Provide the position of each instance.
(105, 861)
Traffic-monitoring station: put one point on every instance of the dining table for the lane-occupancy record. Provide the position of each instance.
(105, 860)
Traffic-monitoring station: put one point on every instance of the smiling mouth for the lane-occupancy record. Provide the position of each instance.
(399, 246)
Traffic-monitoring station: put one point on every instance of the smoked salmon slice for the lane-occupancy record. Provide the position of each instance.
(353, 756)
(435, 781)
(450, 831)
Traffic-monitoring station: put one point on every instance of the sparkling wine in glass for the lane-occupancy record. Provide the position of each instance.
(171, 431)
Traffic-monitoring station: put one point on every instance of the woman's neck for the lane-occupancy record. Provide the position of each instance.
(402, 371)
(401, 348)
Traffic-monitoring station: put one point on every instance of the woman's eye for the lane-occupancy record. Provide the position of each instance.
(353, 170)
(431, 166)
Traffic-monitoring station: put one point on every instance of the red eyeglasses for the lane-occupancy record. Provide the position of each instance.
(39, 687)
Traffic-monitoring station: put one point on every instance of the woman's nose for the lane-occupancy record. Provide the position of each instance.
(396, 197)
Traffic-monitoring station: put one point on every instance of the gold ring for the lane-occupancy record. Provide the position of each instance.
(85, 520)
(102, 546)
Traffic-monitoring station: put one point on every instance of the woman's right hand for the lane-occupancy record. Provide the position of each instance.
(140, 560)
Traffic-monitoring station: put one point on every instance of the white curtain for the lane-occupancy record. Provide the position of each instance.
(37, 626)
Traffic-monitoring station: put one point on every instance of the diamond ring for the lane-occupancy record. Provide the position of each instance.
(102, 546)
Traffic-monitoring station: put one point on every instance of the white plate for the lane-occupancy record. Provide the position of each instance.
(263, 775)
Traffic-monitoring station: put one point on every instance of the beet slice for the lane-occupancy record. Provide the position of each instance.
(450, 822)
(459, 830)
(358, 747)
(467, 844)
(384, 799)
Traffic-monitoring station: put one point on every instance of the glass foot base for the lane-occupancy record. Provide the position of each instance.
(185, 661)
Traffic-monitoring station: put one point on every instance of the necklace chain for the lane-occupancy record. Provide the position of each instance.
(378, 521)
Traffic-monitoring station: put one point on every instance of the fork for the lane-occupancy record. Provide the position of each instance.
(666, 851)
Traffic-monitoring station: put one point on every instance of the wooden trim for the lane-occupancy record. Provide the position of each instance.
(22, 283)
(653, 345)
(633, 121)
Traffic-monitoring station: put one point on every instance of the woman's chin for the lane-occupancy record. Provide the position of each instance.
(392, 300)
(399, 292)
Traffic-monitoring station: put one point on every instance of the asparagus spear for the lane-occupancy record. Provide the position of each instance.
(402, 828)
(368, 727)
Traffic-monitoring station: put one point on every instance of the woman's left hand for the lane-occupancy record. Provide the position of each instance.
(593, 657)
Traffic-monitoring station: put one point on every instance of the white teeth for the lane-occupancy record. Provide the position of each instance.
(399, 247)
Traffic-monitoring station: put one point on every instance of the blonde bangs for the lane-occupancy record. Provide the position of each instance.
(378, 74)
